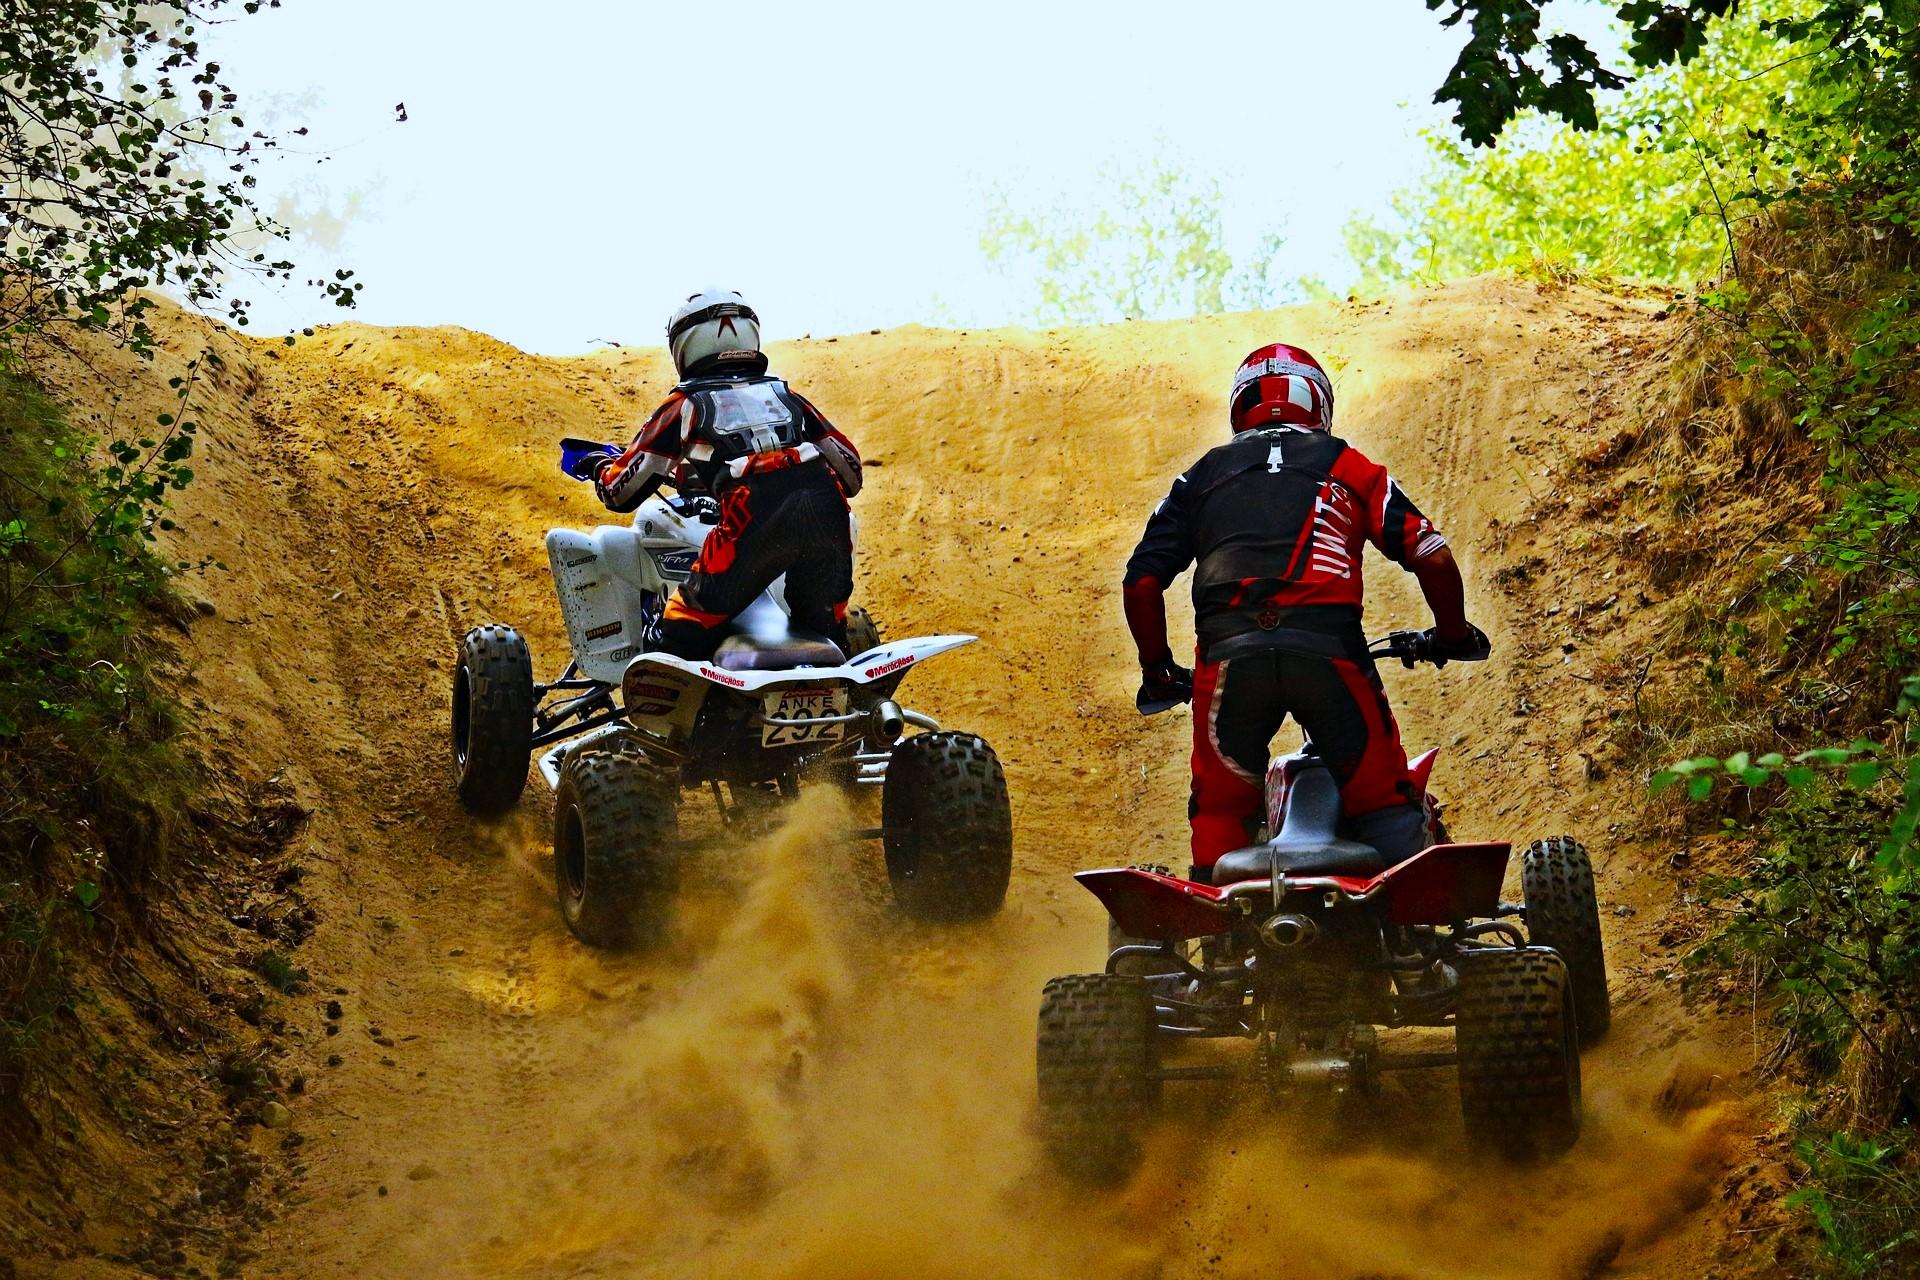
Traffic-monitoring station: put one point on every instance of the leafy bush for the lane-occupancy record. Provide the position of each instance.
(1864, 1197)
(124, 166)
(99, 792)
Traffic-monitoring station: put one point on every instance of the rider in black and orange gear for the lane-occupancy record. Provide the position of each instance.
(1277, 519)
(781, 473)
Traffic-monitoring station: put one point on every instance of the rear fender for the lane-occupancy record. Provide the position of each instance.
(1146, 904)
(1444, 884)
(875, 664)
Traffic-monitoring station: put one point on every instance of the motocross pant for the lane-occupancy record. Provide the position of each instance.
(1339, 703)
(791, 521)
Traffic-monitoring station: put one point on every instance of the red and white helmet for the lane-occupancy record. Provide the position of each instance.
(1279, 385)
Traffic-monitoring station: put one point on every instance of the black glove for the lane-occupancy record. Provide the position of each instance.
(1475, 647)
(1163, 686)
(703, 507)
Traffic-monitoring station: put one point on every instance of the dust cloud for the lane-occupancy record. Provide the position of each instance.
(803, 1085)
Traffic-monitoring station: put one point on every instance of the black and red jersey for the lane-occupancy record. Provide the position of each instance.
(1274, 522)
(723, 429)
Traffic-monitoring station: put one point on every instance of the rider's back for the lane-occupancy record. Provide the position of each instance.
(1276, 520)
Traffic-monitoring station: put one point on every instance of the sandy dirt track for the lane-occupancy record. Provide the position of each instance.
(805, 1084)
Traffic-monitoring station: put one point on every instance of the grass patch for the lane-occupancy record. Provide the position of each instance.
(280, 972)
(98, 789)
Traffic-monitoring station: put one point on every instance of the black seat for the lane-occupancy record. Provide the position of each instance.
(796, 649)
(1309, 842)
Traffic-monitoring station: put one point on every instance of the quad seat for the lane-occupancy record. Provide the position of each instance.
(795, 649)
(1309, 842)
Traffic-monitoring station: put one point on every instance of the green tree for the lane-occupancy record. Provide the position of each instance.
(1507, 67)
(112, 124)
(1640, 195)
(1153, 247)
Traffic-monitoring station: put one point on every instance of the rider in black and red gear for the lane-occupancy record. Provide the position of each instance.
(781, 473)
(1276, 519)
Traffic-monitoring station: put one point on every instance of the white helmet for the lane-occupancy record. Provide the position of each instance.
(717, 326)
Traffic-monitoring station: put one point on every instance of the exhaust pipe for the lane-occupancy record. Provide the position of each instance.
(1286, 931)
(889, 721)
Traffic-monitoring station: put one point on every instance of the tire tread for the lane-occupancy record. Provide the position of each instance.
(1563, 912)
(499, 718)
(1519, 1074)
(948, 825)
(1096, 1061)
(629, 817)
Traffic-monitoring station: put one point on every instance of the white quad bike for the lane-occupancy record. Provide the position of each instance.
(626, 730)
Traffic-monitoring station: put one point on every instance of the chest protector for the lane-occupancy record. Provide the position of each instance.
(736, 418)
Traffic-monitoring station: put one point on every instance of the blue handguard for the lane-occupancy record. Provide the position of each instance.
(582, 459)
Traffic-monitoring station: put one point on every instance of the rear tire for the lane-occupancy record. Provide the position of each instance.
(492, 719)
(616, 829)
(948, 826)
(1563, 912)
(1519, 1050)
(1097, 1059)
(1140, 966)
(862, 632)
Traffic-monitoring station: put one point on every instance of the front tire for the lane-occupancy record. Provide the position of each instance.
(492, 719)
(616, 828)
(1519, 1049)
(1563, 912)
(948, 826)
(1097, 1060)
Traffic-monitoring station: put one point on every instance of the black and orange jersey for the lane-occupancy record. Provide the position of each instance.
(1275, 522)
(723, 429)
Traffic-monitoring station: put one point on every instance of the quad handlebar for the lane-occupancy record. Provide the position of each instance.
(582, 460)
(1423, 646)
(1409, 647)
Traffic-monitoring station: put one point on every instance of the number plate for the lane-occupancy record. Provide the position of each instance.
(803, 704)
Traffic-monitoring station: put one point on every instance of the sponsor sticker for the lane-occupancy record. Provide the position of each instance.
(658, 692)
(723, 677)
(602, 632)
(651, 709)
(887, 667)
(577, 561)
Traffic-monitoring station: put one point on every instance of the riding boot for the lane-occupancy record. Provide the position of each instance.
(1397, 832)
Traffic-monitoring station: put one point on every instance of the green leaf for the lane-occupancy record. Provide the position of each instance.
(1700, 787)
(1865, 773)
(1829, 757)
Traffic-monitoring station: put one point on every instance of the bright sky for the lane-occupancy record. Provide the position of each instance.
(570, 170)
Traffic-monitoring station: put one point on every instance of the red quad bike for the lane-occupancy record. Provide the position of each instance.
(1306, 944)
